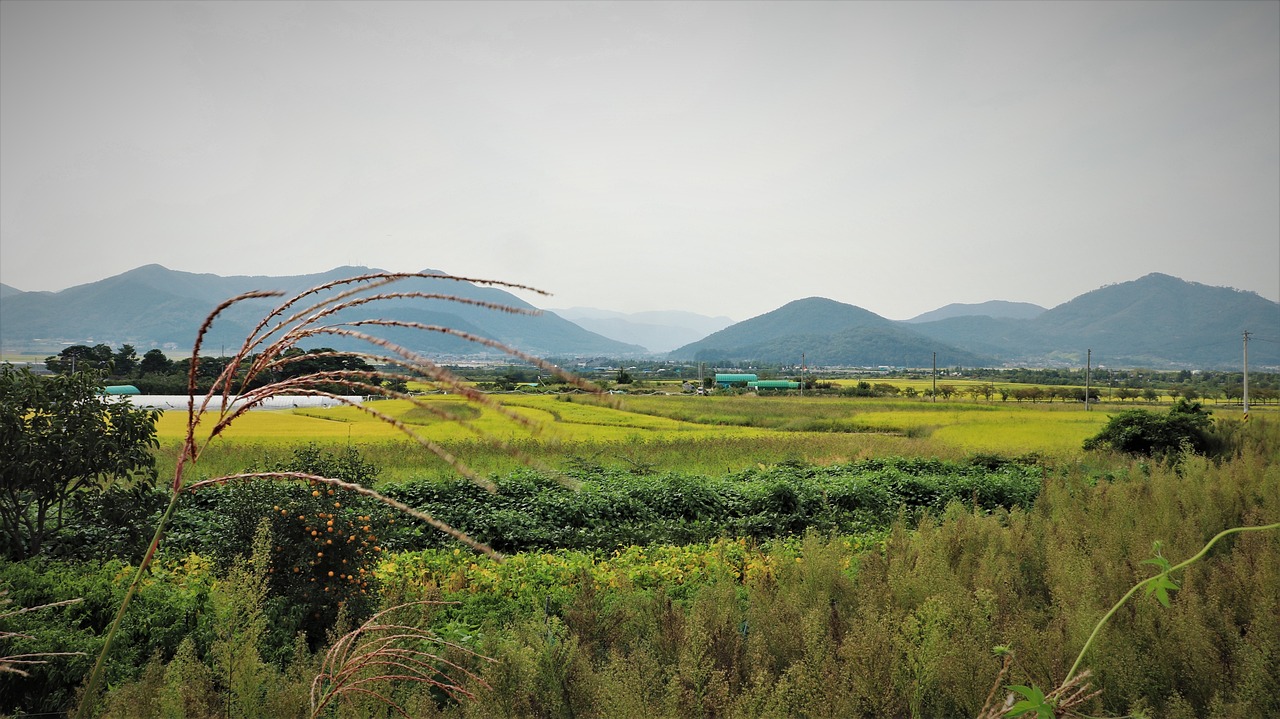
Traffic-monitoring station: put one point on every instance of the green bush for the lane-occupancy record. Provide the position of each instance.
(1185, 427)
(325, 541)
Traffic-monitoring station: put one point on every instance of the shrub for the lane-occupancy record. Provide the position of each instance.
(325, 540)
(1186, 427)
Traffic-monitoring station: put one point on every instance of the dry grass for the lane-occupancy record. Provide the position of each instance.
(367, 661)
(17, 663)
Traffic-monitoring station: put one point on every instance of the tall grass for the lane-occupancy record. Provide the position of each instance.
(266, 355)
(909, 628)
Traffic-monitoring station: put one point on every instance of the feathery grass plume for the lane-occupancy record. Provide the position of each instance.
(367, 660)
(14, 663)
(250, 378)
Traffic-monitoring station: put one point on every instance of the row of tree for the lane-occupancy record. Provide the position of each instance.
(155, 373)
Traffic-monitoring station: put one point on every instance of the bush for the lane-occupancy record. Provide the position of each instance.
(1186, 427)
(325, 541)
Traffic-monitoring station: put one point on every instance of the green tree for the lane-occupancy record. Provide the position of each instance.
(155, 362)
(60, 436)
(80, 358)
(124, 362)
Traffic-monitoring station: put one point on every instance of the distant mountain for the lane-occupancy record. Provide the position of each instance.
(1156, 321)
(993, 308)
(153, 306)
(6, 290)
(1159, 319)
(656, 331)
(827, 333)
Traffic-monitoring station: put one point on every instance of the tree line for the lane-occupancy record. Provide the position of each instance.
(155, 373)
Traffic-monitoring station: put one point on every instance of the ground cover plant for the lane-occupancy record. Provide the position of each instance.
(900, 622)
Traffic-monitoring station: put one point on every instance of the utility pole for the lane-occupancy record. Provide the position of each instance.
(935, 376)
(1088, 371)
(1246, 373)
(801, 374)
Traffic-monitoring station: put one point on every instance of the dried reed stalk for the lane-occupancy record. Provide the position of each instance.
(14, 663)
(366, 661)
(305, 317)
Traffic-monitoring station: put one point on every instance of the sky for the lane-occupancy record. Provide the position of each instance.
(723, 158)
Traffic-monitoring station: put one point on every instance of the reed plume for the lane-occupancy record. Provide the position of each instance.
(260, 370)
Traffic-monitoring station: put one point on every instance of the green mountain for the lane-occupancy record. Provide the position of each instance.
(828, 333)
(153, 306)
(1156, 321)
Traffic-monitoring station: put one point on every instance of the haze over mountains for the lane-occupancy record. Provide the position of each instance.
(152, 306)
(1156, 321)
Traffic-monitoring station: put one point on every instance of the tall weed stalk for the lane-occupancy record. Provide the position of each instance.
(261, 369)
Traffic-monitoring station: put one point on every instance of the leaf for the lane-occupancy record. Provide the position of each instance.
(1160, 562)
(1034, 701)
(1160, 585)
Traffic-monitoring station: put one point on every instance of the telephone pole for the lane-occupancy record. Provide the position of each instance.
(935, 376)
(1246, 374)
(1088, 371)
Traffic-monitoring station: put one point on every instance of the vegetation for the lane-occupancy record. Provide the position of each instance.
(864, 552)
(887, 623)
(62, 442)
(1184, 428)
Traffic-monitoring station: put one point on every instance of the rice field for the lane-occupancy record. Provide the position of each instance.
(666, 433)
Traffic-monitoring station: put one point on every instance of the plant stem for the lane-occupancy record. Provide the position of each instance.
(95, 677)
(1198, 555)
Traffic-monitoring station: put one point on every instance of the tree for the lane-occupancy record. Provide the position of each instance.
(124, 362)
(60, 436)
(155, 362)
(80, 358)
(1137, 431)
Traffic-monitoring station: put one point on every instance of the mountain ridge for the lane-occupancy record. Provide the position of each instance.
(153, 306)
(1156, 321)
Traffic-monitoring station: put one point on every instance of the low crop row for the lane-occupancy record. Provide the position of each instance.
(605, 509)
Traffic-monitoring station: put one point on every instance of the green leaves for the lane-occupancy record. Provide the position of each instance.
(1161, 584)
(1033, 702)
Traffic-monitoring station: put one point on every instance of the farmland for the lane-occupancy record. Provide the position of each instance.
(698, 434)
(678, 555)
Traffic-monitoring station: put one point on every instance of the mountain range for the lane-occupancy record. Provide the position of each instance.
(153, 306)
(1156, 321)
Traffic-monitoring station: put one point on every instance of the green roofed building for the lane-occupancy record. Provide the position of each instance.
(774, 384)
(121, 389)
(730, 379)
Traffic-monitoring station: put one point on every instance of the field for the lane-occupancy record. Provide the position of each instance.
(678, 556)
(701, 434)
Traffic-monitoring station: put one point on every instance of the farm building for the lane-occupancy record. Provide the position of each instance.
(731, 379)
(774, 384)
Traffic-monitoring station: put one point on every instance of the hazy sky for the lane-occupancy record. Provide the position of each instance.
(718, 157)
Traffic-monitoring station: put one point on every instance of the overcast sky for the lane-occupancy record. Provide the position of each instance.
(719, 157)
